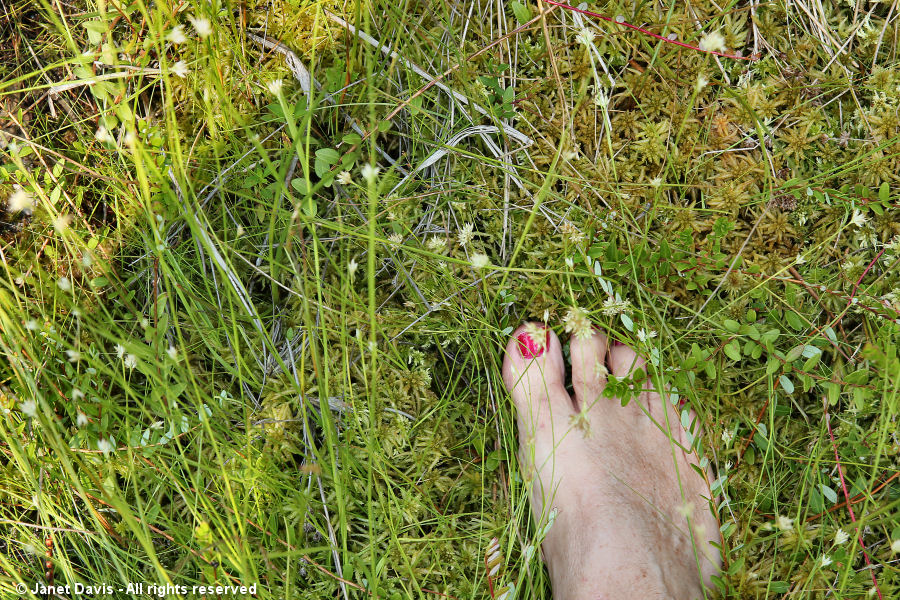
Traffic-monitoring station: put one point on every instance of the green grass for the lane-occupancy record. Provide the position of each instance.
(295, 374)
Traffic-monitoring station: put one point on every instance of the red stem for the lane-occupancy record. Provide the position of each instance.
(647, 32)
(837, 460)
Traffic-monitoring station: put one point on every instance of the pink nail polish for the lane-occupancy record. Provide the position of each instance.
(529, 348)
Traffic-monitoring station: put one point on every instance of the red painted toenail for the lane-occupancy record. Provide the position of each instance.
(529, 348)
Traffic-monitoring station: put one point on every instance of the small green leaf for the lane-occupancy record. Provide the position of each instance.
(733, 350)
(884, 191)
(794, 353)
(732, 325)
(521, 12)
(829, 493)
(786, 384)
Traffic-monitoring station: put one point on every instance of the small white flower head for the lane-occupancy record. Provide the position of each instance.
(620, 19)
(436, 244)
(180, 69)
(81, 420)
(480, 261)
(686, 509)
(176, 35)
(577, 323)
(87, 259)
(275, 86)
(840, 537)
(727, 436)
(585, 36)
(239, 232)
(29, 408)
(613, 306)
(61, 223)
(858, 219)
(656, 183)
(465, 235)
(344, 178)
(352, 266)
(369, 172)
(784, 523)
(600, 370)
(202, 26)
(74, 355)
(895, 547)
(31, 325)
(104, 446)
(601, 99)
(20, 201)
(77, 394)
(570, 262)
(825, 560)
(64, 284)
(546, 315)
(645, 335)
(172, 352)
(104, 136)
(120, 350)
(130, 361)
(702, 81)
(713, 42)
(395, 239)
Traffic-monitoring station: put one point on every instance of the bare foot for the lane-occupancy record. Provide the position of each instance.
(632, 518)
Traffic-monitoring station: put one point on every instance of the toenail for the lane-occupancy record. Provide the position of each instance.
(529, 348)
(617, 343)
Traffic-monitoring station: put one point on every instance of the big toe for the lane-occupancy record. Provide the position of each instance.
(534, 374)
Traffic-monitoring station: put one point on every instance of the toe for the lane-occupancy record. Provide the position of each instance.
(534, 374)
(623, 360)
(588, 368)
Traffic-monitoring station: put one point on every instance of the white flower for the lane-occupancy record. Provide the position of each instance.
(895, 547)
(351, 267)
(600, 370)
(31, 325)
(81, 420)
(727, 436)
(344, 178)
(180, 69)
(275, 86)
(645, 335)
(201, 25)
(436, 244)
(104, 446)
(103, 135)
(130, 361)
(858, 219)
(176, 35)
(20, 201)
(601, 99)
(570, 262)
(840, 536)
(74, 355)
(64, 284)
(585, 37)
(784, 523)
(61, 223)
(713, 42)
(120, 350)
(395, 239)
(77, 394)
(172, 352)
(369, 172)
(613, 306)
(578, 323)
(702, 80)
(480, 261)
(826, 560)
(465, 234)
(29, 408)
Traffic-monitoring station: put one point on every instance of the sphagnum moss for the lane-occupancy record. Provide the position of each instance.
(355, 424)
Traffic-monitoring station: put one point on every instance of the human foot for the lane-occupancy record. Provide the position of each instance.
(631, 515)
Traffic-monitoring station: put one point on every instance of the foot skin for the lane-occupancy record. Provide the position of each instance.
(631, 515)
